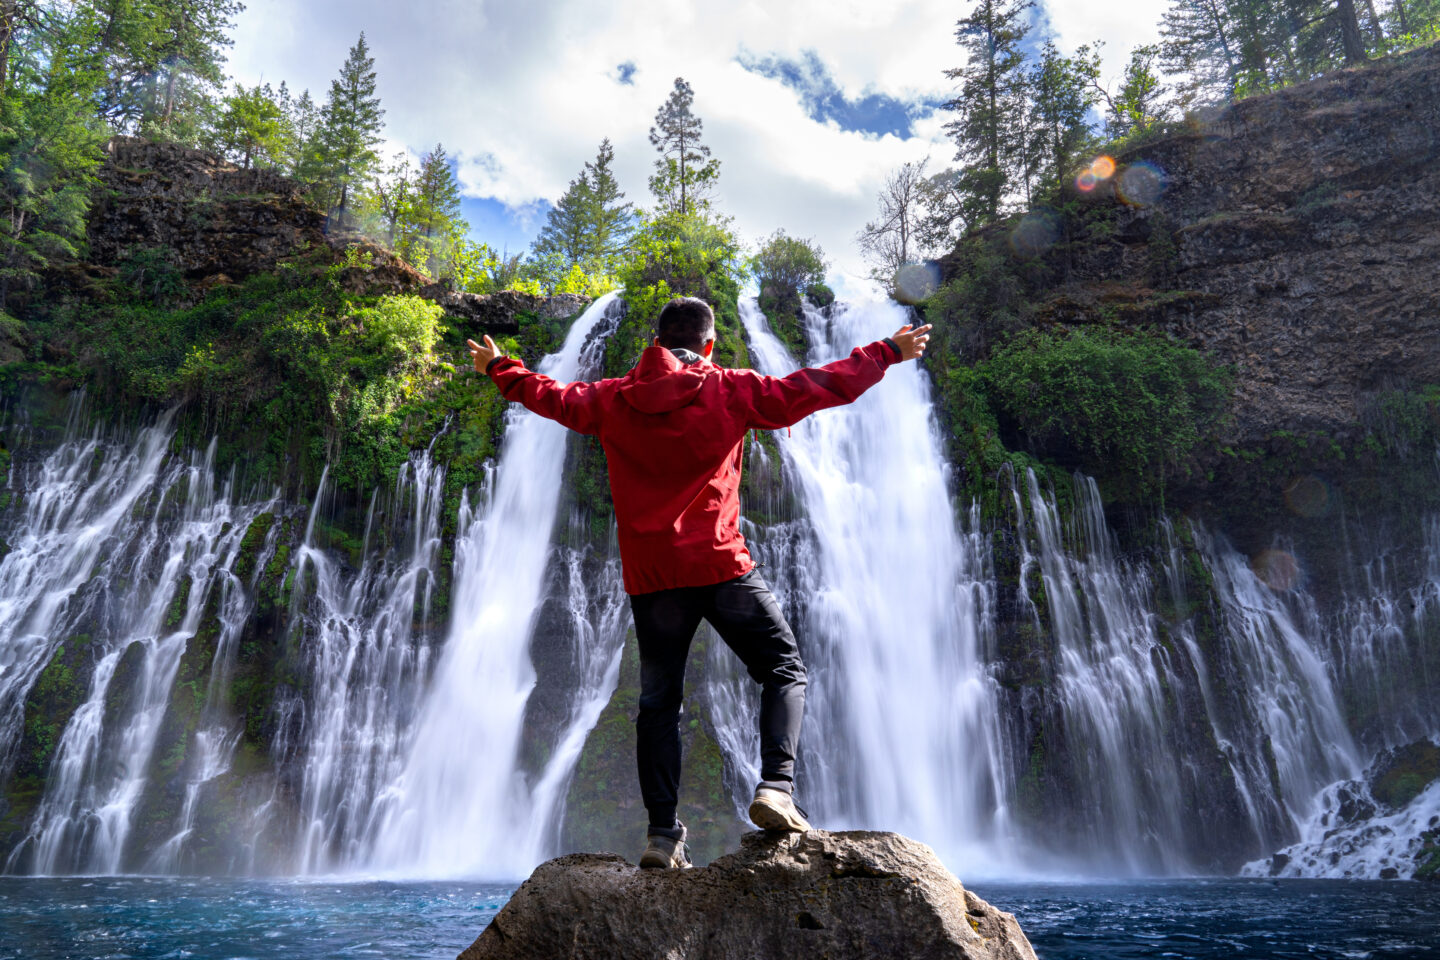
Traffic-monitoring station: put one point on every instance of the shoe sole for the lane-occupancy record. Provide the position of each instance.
(767, 816)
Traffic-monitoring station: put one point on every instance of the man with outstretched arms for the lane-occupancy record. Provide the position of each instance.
(673, 431)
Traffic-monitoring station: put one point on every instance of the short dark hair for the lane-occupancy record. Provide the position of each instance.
(685, 322)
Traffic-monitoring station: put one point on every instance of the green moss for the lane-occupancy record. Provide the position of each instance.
(1405, 772)
(251, 544)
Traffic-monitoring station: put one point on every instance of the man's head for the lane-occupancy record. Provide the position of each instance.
(686, 323)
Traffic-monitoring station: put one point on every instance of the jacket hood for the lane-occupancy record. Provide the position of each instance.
(661, 383)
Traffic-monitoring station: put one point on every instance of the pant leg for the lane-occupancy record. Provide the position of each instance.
(665, 623)
(745, 614)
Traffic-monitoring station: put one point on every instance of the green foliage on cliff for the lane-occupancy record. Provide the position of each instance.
(1131, 407)
(680, 256)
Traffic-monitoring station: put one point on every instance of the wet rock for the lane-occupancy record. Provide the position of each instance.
(836, 895)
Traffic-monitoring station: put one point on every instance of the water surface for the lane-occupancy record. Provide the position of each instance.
(145, 918)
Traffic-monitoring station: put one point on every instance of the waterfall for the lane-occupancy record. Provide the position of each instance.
(891, 600)
(115, 553)
(463, 805)
(368, 655)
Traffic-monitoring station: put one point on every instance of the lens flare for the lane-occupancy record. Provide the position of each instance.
(1140, 184)
(1086, 182)
(916, 281)
(1276, 568)
(1036, 232)
(1307, 496)
(1103, 167)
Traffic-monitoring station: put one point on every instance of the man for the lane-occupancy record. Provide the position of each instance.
(673, 430)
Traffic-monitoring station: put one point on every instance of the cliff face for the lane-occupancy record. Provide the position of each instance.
(1308, 224)
(1295, 236)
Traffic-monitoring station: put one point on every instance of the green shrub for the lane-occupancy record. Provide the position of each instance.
(1132, 407)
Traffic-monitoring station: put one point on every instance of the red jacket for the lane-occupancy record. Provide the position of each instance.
(672, 435)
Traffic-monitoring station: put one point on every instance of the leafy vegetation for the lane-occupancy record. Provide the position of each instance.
(1128, 406)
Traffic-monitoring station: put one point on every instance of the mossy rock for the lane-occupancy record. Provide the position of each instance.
(1403, 773)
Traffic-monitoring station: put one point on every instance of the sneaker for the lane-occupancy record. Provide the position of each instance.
(775, 810)
(663, 853)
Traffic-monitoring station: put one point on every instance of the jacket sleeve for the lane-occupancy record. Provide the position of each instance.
(775, 402)
(574, 405)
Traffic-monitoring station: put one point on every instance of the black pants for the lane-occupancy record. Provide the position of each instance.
(745, 614)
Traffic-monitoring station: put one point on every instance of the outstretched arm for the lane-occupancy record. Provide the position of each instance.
(571, 404)
(781, 401)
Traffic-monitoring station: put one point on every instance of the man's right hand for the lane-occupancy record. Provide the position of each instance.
(911, 341)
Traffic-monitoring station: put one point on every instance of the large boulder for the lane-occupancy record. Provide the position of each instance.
(836, 895)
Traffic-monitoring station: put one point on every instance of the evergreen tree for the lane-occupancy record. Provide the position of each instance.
(1199, 45)
(163, 62)
(302, 118)
(252, 127)
(685, 172)
(614, 221)
(391, 198)
(589, 226)
(1062, 91)
(569, 226)
(990, 131)
(1138, 105)
(49, 142)
(193, 35)
(430, 213)
(349, 131)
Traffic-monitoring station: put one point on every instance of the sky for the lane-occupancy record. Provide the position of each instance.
(808, 104)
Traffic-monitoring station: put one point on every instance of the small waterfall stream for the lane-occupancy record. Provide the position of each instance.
(462, 803)
(117, 552)
(891, 601)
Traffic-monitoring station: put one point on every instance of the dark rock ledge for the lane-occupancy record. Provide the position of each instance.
(836, 895)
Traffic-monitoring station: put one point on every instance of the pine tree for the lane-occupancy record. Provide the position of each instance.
(569, 226)
(430, 212)
(1062, 91)
(252, 125)
(614, 221)
(1199, 45)
(302, 117)
(349, 131)
(990, 131)
(1138, 105)
(49, 143)
(589, 225)
(685, 172)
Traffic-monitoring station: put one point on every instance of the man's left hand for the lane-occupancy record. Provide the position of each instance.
(483, 355)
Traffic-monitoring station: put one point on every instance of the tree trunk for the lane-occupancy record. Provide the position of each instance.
(1404, 21)
(1376, 33)
(9, 13)
(1350, 37)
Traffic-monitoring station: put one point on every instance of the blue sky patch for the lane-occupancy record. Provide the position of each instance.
(503, 228)
(625, 73)
(873, 113)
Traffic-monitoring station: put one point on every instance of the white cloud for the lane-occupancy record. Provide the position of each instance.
(523, 92)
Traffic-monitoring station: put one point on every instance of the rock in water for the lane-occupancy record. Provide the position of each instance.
(857, 894)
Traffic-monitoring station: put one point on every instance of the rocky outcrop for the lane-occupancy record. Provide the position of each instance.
(835, 895)
(1295, 236)
(498, 312)
(214, 223)
(211, 220)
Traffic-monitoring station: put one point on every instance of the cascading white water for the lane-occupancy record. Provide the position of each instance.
(110, 537)
(1299, 741)
(462, 804)
(368, 665)
(901, 726)
(1112, 676)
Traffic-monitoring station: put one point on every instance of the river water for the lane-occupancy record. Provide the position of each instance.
(145, 918)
